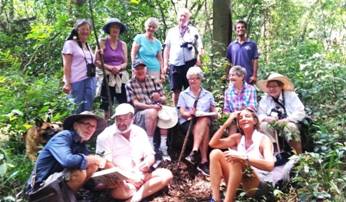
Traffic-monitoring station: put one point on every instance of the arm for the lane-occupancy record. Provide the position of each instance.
(124, 65)
(253, 78)
(134, 51)
(67, 62)
(166, 58)
(296, 107)
(160, 59)
(230, 141)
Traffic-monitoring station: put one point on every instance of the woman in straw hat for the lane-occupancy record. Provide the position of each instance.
(280, 106)
(115, 62)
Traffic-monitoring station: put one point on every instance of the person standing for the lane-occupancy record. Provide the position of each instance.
(183, 47)
(115, 62)
(148, 48)
(79, 67)
(243, 52)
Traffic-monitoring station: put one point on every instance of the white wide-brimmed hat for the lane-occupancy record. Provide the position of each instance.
(168, 117)
(287, 83)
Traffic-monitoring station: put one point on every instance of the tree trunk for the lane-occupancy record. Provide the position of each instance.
(222, 25)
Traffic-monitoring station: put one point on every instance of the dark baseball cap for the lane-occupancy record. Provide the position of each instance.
(138, 63)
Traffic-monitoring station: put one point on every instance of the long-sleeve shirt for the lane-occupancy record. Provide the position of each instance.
(294, 107)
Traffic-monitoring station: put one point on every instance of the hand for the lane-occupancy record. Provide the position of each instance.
(253, 79)
(158, 107)
(115, 70)
(165, 69)
(67, 88)
(156, 96)
(234, 155)
(163, 77)
(231, 118)
(143, 166)
(270, 119)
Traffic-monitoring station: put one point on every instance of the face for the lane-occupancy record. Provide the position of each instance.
(240, 29)
(151, 28)
(183, 19)
(140, 72)
(83, 32)
(123, 122)
(246, 120)
(85, 128)
(194, 81)
(114, 30)
(234, 78)
(274, 89)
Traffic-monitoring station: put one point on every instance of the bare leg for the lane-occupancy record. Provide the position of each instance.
(205, 143)
(175, 97)
(157, 180)
(199, 129)
(150, 121)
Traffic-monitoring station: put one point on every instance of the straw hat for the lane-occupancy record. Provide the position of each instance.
(112, 21)
(69, 121)
(168, 117)
(287, 84)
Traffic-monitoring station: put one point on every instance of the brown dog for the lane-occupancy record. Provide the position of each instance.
(38, 135)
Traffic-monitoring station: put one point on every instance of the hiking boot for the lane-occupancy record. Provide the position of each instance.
(203, 168)
(193, 157)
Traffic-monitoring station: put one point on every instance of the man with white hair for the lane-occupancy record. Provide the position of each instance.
(183, 46)
(126, 146)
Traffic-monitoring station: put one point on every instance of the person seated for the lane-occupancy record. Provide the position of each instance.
(239, 94)
(127, 146)
(193, 101)
(145, 93)
(66, 153)
(280, 106)
(248, 149)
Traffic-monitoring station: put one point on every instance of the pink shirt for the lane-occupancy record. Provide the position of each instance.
(124, 153)
(78, 66)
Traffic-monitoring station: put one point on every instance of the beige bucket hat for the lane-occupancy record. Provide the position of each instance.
(168, 117)
(288, 85)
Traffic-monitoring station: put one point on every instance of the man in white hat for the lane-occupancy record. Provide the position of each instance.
(66, 153)
(281, 106)
(127, 146)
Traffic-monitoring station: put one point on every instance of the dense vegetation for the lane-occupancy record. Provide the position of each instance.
(304, 40)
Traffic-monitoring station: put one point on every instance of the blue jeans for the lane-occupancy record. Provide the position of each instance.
(83, 93)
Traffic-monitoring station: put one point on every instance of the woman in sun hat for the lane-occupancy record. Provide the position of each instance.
(280, 105)
(78, 57)
(114, 53)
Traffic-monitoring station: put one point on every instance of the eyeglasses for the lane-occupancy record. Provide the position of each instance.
(194, 78)
(87, 124)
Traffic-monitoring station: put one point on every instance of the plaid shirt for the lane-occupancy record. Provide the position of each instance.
(142, 90)
(237, 101)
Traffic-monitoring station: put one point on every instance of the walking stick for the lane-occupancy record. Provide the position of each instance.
(188, 130)
(105, 79)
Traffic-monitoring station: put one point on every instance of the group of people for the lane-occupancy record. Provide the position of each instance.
(128, 144)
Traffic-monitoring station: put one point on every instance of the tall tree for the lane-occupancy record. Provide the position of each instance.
(222, 24)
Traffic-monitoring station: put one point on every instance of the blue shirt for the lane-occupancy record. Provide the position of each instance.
(243, 55)
(148, 50)
(64, 150)
(187, 100)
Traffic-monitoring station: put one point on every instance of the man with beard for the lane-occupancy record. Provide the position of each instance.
(127, 146)
(243, 52)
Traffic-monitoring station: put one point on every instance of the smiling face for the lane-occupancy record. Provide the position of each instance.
(240, 29)
(83, 32)
(235, 77)
(194, 81)
(274, 88)
(247, 120)
(140, 72)
(85, 128)
(151, 28)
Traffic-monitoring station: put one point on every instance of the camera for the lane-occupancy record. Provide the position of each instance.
(91, 70)
(278, 112)
(187, 45)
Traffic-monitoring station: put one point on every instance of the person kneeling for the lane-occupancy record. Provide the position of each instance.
(127, 147)
(66, 154)
(247, 149)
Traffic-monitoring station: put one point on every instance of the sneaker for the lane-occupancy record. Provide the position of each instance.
(203, 168)
(193, 157)
(165, 155)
